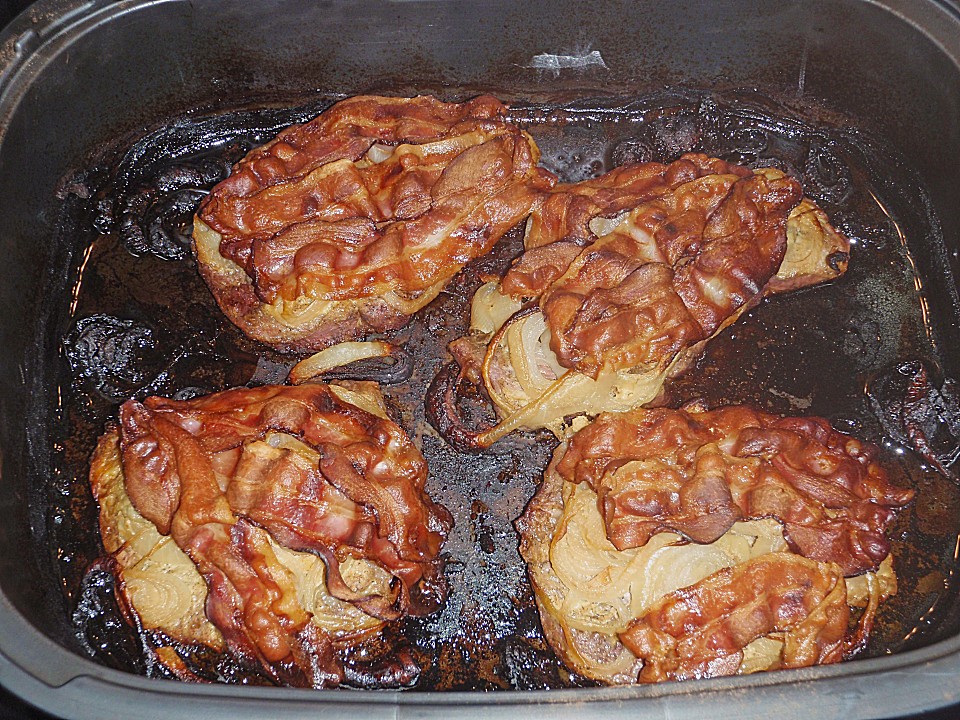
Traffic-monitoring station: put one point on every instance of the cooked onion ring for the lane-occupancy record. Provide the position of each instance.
(337, 356)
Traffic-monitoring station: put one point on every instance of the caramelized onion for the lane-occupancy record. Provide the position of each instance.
(337, 356)
(490, 309)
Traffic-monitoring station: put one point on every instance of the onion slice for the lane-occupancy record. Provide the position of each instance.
(337, 356)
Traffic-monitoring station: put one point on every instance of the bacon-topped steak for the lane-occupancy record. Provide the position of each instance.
(672, 544)
(293, 518)
(623, 280)
(353, 221)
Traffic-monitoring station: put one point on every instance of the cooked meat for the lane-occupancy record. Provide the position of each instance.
(701, 630)
(295, 517)
(577, 214)
(626, 302)
(567, 213)
(353, 221)
(698, 473)
(649, 561)
(671, 275)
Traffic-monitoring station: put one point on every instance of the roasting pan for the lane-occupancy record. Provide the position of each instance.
(95, 98)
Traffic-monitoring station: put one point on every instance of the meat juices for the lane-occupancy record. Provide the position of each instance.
(350, 223)
(302, 509)
(742, 525)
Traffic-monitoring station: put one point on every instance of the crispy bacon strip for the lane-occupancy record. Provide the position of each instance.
(698, 473)
(372, 206)
(702, 240)
(701, 630)
(563, 219)
(219, 472)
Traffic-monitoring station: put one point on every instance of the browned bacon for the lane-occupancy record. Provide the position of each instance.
(372, 205)
(701, 630)
(225, 473)
(703, 240)
(698, 473)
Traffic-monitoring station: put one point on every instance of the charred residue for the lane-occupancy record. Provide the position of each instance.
(862, 352)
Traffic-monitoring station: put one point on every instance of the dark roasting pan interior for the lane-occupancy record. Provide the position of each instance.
(101, 104)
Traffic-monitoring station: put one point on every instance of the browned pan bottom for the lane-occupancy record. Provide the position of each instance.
(861, 352)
